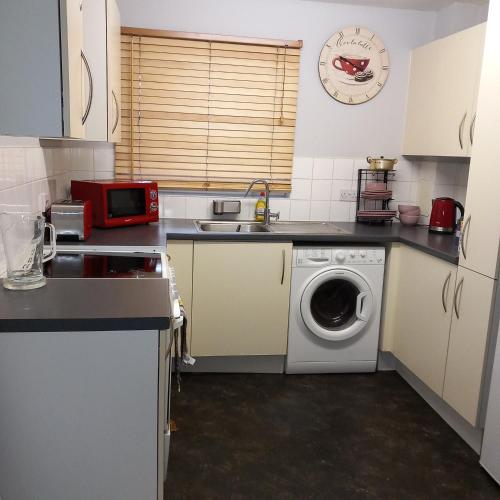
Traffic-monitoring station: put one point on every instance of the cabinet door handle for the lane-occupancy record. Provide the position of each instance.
(91, 88)
(117, 116)
(455, 298)
(461, 131)
(465, 232)
(471, 129)
(283, 261)
(443, 293)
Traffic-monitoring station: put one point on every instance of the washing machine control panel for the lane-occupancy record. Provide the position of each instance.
(319, 257)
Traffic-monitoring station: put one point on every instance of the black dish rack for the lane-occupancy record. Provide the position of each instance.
(363, 205)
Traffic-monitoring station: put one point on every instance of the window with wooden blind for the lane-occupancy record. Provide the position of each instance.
(207, 112)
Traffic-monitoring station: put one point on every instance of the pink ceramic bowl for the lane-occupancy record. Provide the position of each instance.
(403, 209)
(411, 212)
(409, 220)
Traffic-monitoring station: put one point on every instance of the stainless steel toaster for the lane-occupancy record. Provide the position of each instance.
(72, 219)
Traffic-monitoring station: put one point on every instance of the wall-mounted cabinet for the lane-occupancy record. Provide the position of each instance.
(442, 94)
(479, 248)
(42, 69)
(60, 69)
(102, 86)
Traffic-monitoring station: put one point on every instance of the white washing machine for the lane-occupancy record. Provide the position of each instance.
(336, 296)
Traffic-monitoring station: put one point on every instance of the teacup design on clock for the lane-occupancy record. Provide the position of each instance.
(354, 65)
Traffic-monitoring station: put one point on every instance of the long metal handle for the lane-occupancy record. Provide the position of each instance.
(461, 131)
(283, 255)
(465, 229)
(91, 88)
(117, 117)
(457, 290)
(445, 287)
(471, 129)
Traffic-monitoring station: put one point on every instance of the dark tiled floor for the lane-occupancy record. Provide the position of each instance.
(315, 437)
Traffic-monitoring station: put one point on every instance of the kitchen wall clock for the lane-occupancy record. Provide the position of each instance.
(353, 65)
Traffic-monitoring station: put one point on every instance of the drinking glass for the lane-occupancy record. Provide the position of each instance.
(23, 240)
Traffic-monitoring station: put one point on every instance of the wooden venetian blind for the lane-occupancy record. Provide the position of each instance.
(207, 112)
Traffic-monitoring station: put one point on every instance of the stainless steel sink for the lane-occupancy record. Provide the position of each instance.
(230, 226)
(290, 227)
(295, 227)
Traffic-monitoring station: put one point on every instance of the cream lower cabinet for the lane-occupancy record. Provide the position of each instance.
(240, 298)
(421, 314)
(468, 339)
(180, 254)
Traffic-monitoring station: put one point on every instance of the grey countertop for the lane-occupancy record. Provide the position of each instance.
(153, 235)
(128, 304)
(441, 246)
(87, 305)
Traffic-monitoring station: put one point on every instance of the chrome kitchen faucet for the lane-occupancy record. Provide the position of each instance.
(267, 211)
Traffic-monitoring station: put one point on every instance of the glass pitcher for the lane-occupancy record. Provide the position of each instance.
(23, 239)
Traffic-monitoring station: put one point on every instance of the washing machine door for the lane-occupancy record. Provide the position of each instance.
(336, 304)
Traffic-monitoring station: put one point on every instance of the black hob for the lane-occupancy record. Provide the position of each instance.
(104, 265)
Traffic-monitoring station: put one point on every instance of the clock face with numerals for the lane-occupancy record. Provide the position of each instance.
(353, 65)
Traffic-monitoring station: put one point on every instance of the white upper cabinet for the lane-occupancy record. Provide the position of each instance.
(40, 54)
(442, 93)
(481, 233)
(73, 67)
(101, 48)
(70, 47)
(114, 71)
(95, 80)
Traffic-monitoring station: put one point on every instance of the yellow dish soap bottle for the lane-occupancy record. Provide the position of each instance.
(260, 208)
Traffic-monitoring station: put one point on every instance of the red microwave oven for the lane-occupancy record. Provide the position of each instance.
(119, 202)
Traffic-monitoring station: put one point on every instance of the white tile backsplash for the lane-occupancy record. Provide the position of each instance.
(197, 208)
(301, 189)
(173, 207)
(316, 187)
(343, 168)
(339, 211)
(323, 168)
(281, 205)
(320, 210)
(300, 210)
(338, 186)
(321, 190)
(302, 168)
(34, 172)
(39, 172)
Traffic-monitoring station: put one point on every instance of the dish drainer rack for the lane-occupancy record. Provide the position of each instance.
(376, 206)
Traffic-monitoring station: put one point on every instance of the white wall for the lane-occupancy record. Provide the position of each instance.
(325, 128)
(459, 16)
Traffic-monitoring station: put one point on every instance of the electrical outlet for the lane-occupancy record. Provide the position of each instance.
(347, 195)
